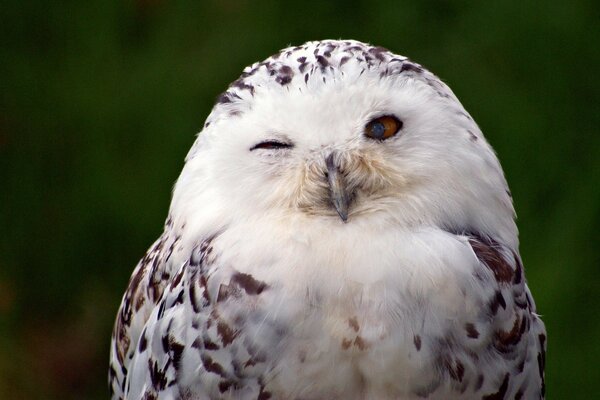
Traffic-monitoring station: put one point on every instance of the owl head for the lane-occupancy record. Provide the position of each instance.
(344, 134)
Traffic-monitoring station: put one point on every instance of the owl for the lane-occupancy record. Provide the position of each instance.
(341, 229)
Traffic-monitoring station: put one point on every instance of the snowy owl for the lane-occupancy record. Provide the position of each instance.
(341, 229)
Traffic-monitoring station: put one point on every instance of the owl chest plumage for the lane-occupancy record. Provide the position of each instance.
(338, 326)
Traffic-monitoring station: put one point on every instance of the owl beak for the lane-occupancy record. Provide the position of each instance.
(340, 198)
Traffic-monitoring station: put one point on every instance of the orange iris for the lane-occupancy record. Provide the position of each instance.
(383, 127)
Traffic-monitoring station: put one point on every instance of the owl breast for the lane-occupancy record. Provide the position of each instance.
(343, 317)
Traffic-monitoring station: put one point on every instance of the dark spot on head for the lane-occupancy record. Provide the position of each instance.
(459, 113)
(322, 61)
(284, 75)
(283, 79)
(240, 84)
(408, 66)
(378, 52)
(224, 98)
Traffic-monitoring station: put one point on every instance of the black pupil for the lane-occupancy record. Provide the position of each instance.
(378, 130)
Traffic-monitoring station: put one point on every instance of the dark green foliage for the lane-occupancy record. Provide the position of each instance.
(100, 100)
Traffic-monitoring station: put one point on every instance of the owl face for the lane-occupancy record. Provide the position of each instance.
(341, 133)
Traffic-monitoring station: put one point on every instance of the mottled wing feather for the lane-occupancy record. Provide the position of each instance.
(508, 336)
(145, 288)
(192, 346)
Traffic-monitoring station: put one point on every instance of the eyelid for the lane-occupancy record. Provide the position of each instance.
(271, 144)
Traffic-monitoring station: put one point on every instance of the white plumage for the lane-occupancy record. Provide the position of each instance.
(307, 257)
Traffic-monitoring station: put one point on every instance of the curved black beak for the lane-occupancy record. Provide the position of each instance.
(340, 198)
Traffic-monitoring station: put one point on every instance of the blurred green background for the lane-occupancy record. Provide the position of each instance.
(100, 101)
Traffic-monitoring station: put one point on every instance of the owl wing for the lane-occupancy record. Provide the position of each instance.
(145, 289)
(507, 340)
(194, 343)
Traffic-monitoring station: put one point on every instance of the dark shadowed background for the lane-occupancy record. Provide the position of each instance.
(100, 101)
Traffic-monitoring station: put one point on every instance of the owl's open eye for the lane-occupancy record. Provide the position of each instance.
(382, 128)
(271, 145)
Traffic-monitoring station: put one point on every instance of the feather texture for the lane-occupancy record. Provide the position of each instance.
(257, 289)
